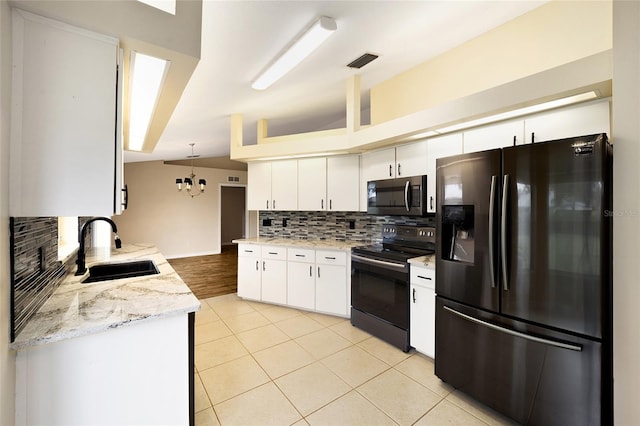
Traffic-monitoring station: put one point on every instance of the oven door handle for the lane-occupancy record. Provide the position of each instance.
(388, 265)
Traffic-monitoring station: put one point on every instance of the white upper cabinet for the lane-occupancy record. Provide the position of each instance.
(493, 136)
(343, 183)
(573, 121)
(411, 159)
(312, 184)
(439, 147)
(379, 164)
(65, 147)
(259, 186)
(284, 185)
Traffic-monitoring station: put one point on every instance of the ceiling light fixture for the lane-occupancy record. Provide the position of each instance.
(147, 78)
(296, 52)
(188, 181)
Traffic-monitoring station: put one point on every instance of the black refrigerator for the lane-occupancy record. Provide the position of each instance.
(524, 279)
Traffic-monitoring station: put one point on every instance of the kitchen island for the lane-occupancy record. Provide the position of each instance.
(110, 352)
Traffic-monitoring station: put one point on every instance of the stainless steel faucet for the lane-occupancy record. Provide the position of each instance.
(81, 236)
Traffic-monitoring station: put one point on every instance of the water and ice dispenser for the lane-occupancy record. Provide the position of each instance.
(458, 233)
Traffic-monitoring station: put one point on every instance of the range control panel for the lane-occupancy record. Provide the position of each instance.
(399, 233)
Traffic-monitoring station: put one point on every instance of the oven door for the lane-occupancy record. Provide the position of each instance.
(381, 288)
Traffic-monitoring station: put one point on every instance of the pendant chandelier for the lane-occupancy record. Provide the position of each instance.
(191, 189)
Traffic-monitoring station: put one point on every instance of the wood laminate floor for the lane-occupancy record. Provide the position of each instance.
(212, 275)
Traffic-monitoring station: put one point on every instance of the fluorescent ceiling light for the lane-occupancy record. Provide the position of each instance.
(300, 49)
(168, 6)
(147, 77)
(521, 111)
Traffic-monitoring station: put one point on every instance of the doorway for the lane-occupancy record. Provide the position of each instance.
(233, 214)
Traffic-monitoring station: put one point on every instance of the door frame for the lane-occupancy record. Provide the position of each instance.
(246, 212)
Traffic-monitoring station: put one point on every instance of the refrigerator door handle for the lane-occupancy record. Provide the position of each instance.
(492, 212)
(503, 234)
(562, 345)
(406, 195)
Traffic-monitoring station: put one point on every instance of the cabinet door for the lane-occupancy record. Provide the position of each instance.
(259, 186)
(443, 146)
(312, 184)
(284, 185)
(411, 159)
(301, 283)
(343, 183)
(422, 317)
(494, 136)
(274, 281)
(331, 289)
(568, 122)
(380, 164)
(63, 144)
(249, 280)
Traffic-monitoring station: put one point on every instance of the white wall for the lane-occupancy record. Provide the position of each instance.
(626, 203)
(7, 357)
(177, 224)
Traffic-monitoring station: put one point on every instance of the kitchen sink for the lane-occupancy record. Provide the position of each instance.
(116, 271)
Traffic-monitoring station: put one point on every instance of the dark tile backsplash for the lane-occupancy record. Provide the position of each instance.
(35, 269)
(341, 226)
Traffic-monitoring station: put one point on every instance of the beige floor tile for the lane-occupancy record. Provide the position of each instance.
(301, 422)
(280, 313)
(265, 405)
(283, 358)
(479, 410)
(205, 315)
(354, 365)
(323, 343)
(262, 338)
(351, 409)
(244, 322)
(299, 326)
(218, 352)
(206, 418)
(349, 332)
(232, 378)
(446, 413)
(326, 320)
(258, 306)
(200, 395)
(420, 368)
(312, 387)
(384, 351)
(402, 399)
(210, 331)
(230, 307)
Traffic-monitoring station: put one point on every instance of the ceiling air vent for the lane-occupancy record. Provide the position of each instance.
(362, 60)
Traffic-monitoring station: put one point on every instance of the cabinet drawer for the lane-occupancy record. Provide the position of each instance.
(328, 257)
(301, 255)
(248, 250)
(423, 276)
(274, 252)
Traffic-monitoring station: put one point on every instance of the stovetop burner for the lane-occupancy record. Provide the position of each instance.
(401, 243)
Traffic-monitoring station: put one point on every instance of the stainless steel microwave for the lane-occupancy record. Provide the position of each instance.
(398, 197)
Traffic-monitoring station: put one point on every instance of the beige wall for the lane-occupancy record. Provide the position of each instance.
(626, 203)
(178, 224)
(7, 357)
(551, 35)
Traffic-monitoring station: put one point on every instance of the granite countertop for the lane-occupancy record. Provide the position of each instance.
(428, 261)
(77, 309)
(314, 244)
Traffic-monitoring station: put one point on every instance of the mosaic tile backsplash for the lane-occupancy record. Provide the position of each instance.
(341, 226)
(35, 269)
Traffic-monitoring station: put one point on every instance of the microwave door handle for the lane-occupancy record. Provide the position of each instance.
(406, 196)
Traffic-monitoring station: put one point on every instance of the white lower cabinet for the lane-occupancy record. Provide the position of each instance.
(301, 278)
(274, 274)
(305, 278)
(332, 289)
(249, 272)
(423, 310)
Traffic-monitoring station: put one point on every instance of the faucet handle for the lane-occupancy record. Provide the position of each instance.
(118, 242)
